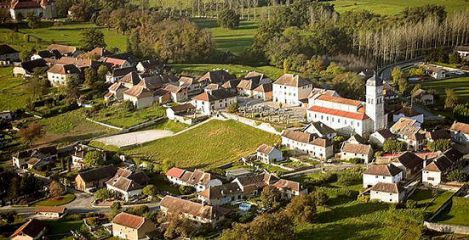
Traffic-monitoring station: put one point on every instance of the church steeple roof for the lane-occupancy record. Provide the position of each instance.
(375, 80)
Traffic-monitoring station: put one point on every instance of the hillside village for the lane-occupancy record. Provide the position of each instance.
(116, 145)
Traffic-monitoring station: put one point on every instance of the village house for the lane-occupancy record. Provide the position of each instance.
(463, 51)
(193, 87)
(127, 184)
(94, 178)
(221, 194)
(436, 72)
(268, 154)
(31, 230)
(51, 212)
(46, 154)
(252, 184)
(198, 179)
(210, 102)
(115, 92)
(289, 188)
(390, 95)
(5, 116)
(409, 163)
(27, 68)
(217, 77)
(20, 9)
(263, 91)
(8, 55)
(408, 130)
(321, 130)
(435, 172)
(196, 212)
(97, 53)
(291, 90)
(60, 75)
(140, 96)
(460, 132)
(423, 96)
(308, 143)
(251, 81)
(64, 50)
(356, 150)
(387, 192)
(112, 62)
(184, 113)
(351, 116)
(408, 112)
(178, 94)
(150, 66)
(379, 137)
(231, 85)
(131, 227)
(439, 134)
(117, 73)
(45, 54)
(320, 91)
(381, 173)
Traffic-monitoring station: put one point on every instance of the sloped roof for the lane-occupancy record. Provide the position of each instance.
(264, 148)
(31, 228)
(177, 205)
(186, 107)
(63, 49)
(340, 100)
(51, 209)
(360, 115)
(175, 172)
(356, 148)
(387, 187)
(383, 170)
(287, 184)
(292, 81)
(98, 173)
(217, 76)
(298, 136)
(64, 69)
(214, 95)
(266, 87)
(29, 66)
(6, 49)
(460, 127)
(321, 128)
(217, 192)
(131, 77)
(138, 92)
(129, 220)
(117, 72)
(410, 160)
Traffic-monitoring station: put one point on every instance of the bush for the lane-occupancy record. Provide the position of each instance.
(356, 160)
(457, 175)
(186, 190)
(363, 198)
(349, 178)
(411, 204)
(320, 197)
(228, 18)
(247, 217)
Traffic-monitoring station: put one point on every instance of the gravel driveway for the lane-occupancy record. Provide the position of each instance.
(134, 138)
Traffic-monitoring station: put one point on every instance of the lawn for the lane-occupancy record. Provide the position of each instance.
(238, 70)
(424, 198)
(58, 201)
(457, 214)
(61, 228)
(459, 85)
(207, 146)
(386, 7)
(12, 91)
(170, 125)
(233, 40)
(69, 127)
(118, 116)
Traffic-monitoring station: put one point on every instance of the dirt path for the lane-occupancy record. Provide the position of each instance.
(134, 138)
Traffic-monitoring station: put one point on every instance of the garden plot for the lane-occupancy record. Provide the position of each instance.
(134, 138)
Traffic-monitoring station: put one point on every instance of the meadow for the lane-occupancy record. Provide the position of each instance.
(457, 214)
(209, 145)
(12, 91)
(118, 116)
(459, 85)
(238, 70)
(69, 127)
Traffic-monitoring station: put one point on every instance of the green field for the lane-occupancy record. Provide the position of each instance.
(118, 116)
(459, 85)
(238, 70)
(12, 92)
(210, 145)
(69, 127)
(425, 199)
(233, 40)
(57, 202)
(59, 229)
(457, 214)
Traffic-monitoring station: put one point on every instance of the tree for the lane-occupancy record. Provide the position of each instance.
(56, 189)
(396, 75)
(93, 158)
(72, 90)
(37, 85)
(451, 99)
(81, 11)
(302, 208)
(439, 145)
(232, 108)
(33, 21)
(90, 77)
(62, 7)
(320, 198)
(349, 85)
(92, 38)
(416, 88)
(403, 85)
(150, 190)
(102, 194)
(394, 146)
(270, 197)
(457, 175)
(101, 74)
(228, 18)
(4, 15)
(31, 132)
(455, 58)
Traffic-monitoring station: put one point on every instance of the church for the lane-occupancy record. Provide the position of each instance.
(348, 116)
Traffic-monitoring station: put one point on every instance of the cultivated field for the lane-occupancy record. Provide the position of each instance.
(12, 90)
(118, 116)
(210, 145)
(134, 138)
(70, 127)
(459, 85)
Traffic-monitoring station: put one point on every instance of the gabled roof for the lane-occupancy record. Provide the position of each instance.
(98, 173)
(340, 100)
(360, 115)
(321, 128)
(287, 184)
(385, 133)
(132, 78)
(256, 181)
(175, 172)
(185, 81)
(460, 127)
(410, 160)
(51, 209)
(387, 187)
(177, 205)
(115, 61)
(31, 228)
(138, 92)
(266, 87)
(63, 49)
(99, 51)
(214, 95)
(383, 170)
(64, 69)
(292, 81)
(173, 88)
(183, 108)
(356, 148)
(129, 220)
(407, 127)
(247, 84)
(217, 192)
(321, 91)
(29, 66)
(217, 76)
(116, 86)
(264, 148)
(253, 75)
(298, 136)
(5, 49)
(408, 111)
(438, 134)
(118, 72)
(151, 64)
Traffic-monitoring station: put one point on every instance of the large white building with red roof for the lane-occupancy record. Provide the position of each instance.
(351, 116)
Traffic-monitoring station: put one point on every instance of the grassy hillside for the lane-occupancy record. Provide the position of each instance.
(12, 90)
(459, 85)
(238, 70)
(209, 145)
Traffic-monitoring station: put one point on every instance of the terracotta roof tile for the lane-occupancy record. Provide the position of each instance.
(357, 148)
(292, 81)
(387, 187)
(383, 170)
(31, 228)
(460, 127)
(128, 220)
(352, 115)
(175, 172)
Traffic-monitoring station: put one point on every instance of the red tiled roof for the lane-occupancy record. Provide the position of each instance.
(128, 220)
(460, 127)
(51, 209)
(340, 100)
(357, 116)
(175, 172)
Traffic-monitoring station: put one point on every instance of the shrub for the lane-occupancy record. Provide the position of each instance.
(356, 160)
(186, 190)
(411, 204)
(349, 178)
(320, 197)
(363, 198)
